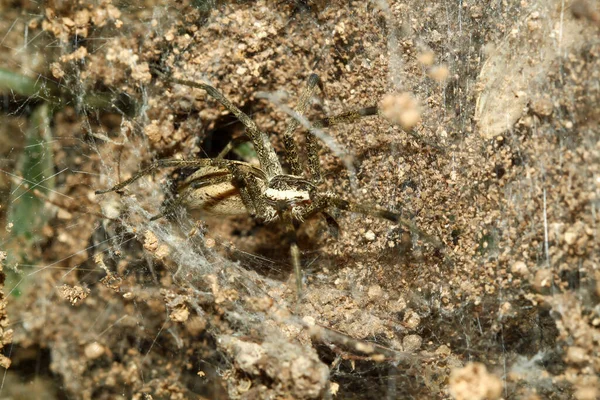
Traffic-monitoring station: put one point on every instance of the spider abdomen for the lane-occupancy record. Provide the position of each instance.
(217, 199)
(211, 190)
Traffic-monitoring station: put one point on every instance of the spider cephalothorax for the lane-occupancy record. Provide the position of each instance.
(226, 187)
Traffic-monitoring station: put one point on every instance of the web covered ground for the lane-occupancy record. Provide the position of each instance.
(502, 169)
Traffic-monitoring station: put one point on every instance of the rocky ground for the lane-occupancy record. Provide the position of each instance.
(486, 145)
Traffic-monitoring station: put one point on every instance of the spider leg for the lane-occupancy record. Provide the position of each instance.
(322, 202)
(291, 148)
(346, 205)
(249, 192)
(199, 163)
(334, 227)
(312, 142)
(290, 230)
(314, 164)
(262, 145)
(153, 167)
(232, 143)
(347, 117)
(351, 116)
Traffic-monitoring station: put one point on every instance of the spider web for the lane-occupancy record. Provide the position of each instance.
(502, 167)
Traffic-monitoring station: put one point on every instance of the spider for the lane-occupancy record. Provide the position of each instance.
(220, 186)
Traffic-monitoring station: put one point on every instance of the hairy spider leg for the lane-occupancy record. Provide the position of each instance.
(346, 205)
(312, 142)
(231, 144)
(321, 202)
(250, 193)
(290, 230)
(290, 145)
(264, 150)
(346, 117)
(168, 163)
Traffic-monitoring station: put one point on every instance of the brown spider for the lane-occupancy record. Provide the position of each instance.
(227, 187)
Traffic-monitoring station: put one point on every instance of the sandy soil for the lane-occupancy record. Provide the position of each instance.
(488, 146)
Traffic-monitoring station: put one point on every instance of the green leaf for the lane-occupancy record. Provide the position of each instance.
(34, 171)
